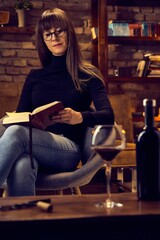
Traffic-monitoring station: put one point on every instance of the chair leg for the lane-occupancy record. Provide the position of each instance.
(60, 192)
(120, 174)
(134, 182)
(76, 191)
(4, 194)
(120, 177)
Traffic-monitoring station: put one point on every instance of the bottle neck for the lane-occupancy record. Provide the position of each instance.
(149, 116)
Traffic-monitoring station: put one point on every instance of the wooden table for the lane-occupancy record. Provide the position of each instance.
(77, 217)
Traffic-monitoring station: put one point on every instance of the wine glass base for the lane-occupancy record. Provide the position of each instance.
(109, 204)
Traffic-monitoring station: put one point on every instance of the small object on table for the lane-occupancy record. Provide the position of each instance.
(44, 204)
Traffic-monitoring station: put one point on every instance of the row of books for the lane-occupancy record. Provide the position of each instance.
(130, 29)
(149, 66)
(134, 29)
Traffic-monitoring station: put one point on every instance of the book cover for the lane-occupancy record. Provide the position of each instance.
(155, 58)
(140, 68)
(146, 67)
(40, 117)
(94, 32)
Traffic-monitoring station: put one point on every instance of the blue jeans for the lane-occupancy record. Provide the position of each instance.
(51, 152)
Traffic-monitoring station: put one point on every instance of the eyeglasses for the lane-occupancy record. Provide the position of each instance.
(57, 33)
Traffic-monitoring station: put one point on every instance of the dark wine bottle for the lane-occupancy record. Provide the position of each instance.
(148, 156)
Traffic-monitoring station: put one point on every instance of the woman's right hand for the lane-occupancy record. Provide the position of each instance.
(69, 116)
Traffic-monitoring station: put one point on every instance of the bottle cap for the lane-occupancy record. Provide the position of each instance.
(150, 102)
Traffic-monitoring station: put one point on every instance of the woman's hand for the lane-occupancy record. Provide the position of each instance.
(69, 116)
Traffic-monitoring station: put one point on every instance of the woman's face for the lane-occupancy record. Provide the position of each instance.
(56, 40)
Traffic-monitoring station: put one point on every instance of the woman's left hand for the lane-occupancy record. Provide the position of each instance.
(69, 116)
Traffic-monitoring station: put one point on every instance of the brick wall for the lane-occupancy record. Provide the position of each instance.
(18, 52)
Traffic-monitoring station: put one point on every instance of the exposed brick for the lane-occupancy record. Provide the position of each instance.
(19, 78)
(10, 45)
(2, 70)
(34, 62)
(3, 62)
(8, 53)
(85, 46)
(5, 78)
(79, 30)
(156, 10)
(20, 63)
(12, 70)
(25, 70)
(28, 45)
(27, 53)
(87, 31)
(8, 89)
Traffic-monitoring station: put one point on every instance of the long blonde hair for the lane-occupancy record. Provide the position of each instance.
(54, 18)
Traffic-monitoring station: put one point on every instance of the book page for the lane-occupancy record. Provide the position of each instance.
(13, 117)
(13, 114)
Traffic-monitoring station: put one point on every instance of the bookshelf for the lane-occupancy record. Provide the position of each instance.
(100, 46)
(17, 30)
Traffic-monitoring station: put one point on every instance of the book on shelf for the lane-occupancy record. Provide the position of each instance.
(94, 32)
(154, 73)
(40, 118)
(132, 29)
(149, 66)
(155, 65)
(140, 68)
(143, 68)
(154, 58)
(146, 67)
(135, 29)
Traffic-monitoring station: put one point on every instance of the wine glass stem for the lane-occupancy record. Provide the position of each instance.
(108, 180)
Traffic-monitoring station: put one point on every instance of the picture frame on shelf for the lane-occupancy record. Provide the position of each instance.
(4, 17)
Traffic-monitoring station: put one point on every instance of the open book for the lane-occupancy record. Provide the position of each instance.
(39, 118)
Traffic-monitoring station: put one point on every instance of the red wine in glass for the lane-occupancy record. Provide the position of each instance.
(107, 153)
(108, 141)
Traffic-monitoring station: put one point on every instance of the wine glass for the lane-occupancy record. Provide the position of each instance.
(108, 141)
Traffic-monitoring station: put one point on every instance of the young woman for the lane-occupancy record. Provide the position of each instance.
(65, 77)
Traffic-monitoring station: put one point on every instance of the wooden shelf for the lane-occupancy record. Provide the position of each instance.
(17, 30)
(133, 40)
(146, 3)
(134, 79)
(130, 40)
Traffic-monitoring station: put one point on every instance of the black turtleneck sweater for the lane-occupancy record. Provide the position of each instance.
(54, 83)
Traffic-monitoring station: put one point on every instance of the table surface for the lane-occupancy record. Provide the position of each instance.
(77, 207)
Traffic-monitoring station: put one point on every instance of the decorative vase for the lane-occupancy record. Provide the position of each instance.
(21, 17)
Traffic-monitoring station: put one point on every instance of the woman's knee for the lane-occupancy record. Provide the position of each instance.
(17, 134)
(16, 130)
